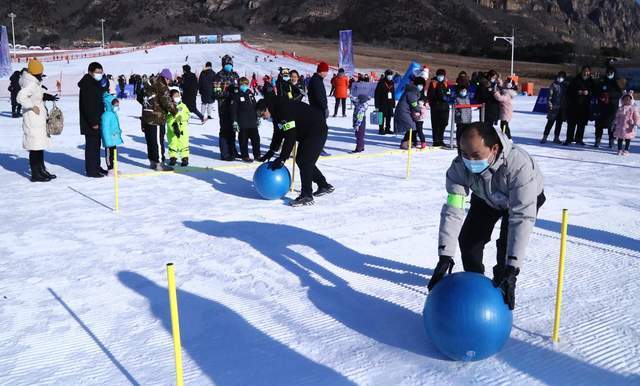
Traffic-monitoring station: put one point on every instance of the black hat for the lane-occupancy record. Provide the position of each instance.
(388, 72)
(419, 80)
(227, 60)
(441, 71)
(186, 68)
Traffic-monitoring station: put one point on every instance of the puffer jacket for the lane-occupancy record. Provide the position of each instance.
(513, 182)
(34, 125)
(407, 105)
(109, 124)
(627, 118)
(557, 101)
(505, 98)
(341, 83)
(156, 103)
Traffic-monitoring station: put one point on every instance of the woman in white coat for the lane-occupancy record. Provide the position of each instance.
(34, 119)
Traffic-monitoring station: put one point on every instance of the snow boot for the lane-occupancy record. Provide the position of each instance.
(172, 161)
(247, 159)
(185, 162)
(46, 172)
(557, 140)
(381, 131)
(38, 176)
(301, 201)
(543, 140)
(404, 145)
(324, 190)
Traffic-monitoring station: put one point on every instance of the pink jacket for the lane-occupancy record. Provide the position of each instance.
(506, 106)
(626, 121)
(422, 115)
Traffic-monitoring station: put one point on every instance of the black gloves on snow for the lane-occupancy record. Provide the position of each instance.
(276, 164)
(444, 267)
(50, 98)
(176, 129)
(505, 278)
(266, 157)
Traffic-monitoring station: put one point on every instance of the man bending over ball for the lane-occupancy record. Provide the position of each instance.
(505, 183)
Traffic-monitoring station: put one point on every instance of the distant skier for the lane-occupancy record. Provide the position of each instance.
(505, 183)
(299, 122)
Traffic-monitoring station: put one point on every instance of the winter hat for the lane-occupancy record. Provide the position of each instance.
(341, 71)
(166, 73)
(419, 81)
(388, 72)
(227, 60)
(186, 68)
(441, 71)
(284, 71)
(35, 67)
(323, 67)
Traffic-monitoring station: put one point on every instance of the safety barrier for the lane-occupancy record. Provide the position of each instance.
(453, 108)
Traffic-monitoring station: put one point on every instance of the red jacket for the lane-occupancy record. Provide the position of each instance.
(341, 83)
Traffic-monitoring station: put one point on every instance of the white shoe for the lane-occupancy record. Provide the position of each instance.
(625, 153)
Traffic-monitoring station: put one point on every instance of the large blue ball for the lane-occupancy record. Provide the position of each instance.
(466, 317)
(272, 184)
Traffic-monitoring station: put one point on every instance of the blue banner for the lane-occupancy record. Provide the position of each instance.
(345, 54)
(413, 70)
(541, 103)
(5, 59)
(364, 88)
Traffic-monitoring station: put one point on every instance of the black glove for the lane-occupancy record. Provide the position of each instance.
(176, 129)
(505, 279)
(50, 98)
(266, 157)
(276, 164)
(444, 267)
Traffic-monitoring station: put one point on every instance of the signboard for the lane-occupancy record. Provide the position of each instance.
(5, 59)
(231, 38)
(206, 39)
(186, 39)
(364, 88)
(345, 53)
(541, 103)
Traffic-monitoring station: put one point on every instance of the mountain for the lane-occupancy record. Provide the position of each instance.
(555, 30)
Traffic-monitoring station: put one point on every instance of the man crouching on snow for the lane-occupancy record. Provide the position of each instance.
(505, 183)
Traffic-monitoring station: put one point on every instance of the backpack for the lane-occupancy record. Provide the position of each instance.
(55, 121)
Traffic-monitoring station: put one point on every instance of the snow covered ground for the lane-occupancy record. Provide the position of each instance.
(325, 295)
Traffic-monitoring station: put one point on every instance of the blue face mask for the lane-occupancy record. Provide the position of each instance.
(285, 78)
(440, 78)
(476, 166)
(244, 88)
(228, 67)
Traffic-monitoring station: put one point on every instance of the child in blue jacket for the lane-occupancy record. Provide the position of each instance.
(110, 128)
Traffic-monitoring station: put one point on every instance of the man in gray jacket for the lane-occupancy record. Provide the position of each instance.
(505, 183)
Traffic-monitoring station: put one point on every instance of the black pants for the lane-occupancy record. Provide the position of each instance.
(92, 154)
(308, 153)
(36, 159)
(504, 126)
(476, 233)
(344, 106)
(575, 126)
(154, 135)
(15, 106)
(253, 135)
(227, 143)
(419, 134)
(191, 105)
(602, 123)
(385, 123)
(439, 122)
(627, 144)
(558, 129)
(109, 155)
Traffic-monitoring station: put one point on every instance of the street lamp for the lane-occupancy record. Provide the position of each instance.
(102, 21)
(13, 32)
(511, 40)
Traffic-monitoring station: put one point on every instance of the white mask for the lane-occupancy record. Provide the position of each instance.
(97, 76)
(420, 87)
(116, 108)
(177, 100)
(389, 77)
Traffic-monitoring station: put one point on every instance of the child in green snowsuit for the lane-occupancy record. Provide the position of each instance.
(178, 131)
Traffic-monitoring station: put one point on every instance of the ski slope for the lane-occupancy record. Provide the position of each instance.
(330, 294)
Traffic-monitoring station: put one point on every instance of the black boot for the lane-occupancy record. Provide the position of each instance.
(185, 162)
(172, 161)
(46, 172)
(381, 131)
(610, 142)
(37, 175)
(597, 144)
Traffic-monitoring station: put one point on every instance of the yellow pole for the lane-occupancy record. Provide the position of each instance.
(115, 179)
(563, 249)
(175, 323)
(409, 154)
(293, 166)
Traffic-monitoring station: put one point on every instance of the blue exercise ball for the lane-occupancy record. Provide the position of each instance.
(466, 317)
(272, 184)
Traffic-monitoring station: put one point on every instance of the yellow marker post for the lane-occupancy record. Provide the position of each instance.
(409, 154)
(115, 179)
(563, 249)
(175, 323)
(293, 166)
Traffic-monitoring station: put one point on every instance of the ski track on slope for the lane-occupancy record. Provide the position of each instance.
(330, 294)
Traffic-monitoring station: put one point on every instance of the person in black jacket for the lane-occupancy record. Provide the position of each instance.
(297, 82)
(91, 101)
(486, 87)
(437, 95)
(608, 92)
(316, 92)
(189, 86)
(579, 94)
(300, 122)
(284, 87)
(225, 85)
(385, 101)
(14, 89)
(243, 113)
(205, 86)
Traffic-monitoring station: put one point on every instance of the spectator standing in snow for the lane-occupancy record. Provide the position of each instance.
(385, 101)
(626, 121)
(341, 84)
(92, 87)
(556, 107)
(189, 86)
(205, 86)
